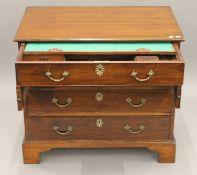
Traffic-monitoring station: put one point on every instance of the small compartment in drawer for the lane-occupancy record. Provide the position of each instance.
(99, 57)
(43, 57)
(99, 128)
(117, 57)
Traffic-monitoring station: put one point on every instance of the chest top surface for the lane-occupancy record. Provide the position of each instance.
(98, 24)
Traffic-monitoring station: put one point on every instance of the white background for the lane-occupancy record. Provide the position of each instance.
(103, 161)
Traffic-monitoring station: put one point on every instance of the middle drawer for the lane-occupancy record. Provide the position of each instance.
(99, 101)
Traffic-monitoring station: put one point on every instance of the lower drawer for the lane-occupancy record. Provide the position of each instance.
(99, 128)
(99, 101)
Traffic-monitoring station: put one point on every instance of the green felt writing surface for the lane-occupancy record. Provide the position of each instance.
(100, 47)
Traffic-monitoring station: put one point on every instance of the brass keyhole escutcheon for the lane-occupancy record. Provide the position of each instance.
(100, 70)
(99, 123)
(99, 96)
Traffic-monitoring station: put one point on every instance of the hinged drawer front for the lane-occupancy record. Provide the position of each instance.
(88, 73)
(91, 101)
(98, 128)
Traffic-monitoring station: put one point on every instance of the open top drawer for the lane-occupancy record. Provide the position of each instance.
(50, 64)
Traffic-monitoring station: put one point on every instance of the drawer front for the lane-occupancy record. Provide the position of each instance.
(84, 73)
(98, 128)
(79, 101)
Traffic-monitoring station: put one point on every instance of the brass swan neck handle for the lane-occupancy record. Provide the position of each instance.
(64, 75)
(131, 103)
(150, 74)
(64, 131)
(55, 101)
(134, 131)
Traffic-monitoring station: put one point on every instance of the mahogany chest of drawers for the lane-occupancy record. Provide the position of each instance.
(99, 77)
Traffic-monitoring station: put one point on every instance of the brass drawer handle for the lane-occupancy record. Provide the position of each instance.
(141, 103)
(64, 75)
(150, 74)
(65, 131)
(140, 129)
(55, 100)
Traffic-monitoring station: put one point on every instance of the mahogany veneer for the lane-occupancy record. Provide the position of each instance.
(98, 24)
(98, 99)
(114, 102)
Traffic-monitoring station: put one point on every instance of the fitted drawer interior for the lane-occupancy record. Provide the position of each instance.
(97, 57)
(135, 64)
(98, 52)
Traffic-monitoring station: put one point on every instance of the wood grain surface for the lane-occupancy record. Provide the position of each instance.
(83, 73)
(41, 128)
(98, 24)
(84, 103)
(95, 24)
(32, 149)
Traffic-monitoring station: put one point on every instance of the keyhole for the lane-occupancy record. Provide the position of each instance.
(99, 123)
